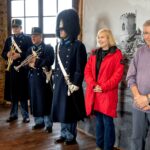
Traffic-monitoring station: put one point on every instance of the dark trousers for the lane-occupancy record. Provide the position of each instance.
(23, 107)
(69, 131)
(46, 120)
(105, 131)
(140, 126)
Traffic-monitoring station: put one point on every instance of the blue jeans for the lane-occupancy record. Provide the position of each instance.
(23, 107)
(105, 131)
(69, 131)
(46, 120)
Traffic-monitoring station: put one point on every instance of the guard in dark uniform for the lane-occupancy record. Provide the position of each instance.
(14, 52)
(68, 98)
(40, 91)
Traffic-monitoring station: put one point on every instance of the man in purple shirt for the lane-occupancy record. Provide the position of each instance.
(138, 78)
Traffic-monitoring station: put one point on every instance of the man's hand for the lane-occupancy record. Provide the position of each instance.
(15, 56)
(32, 62)
(141, 101)
(33, 59)
(97, 88)
(146, 108)
(10, 54)
(32, 65)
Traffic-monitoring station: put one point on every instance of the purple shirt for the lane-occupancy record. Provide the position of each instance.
(139, 70)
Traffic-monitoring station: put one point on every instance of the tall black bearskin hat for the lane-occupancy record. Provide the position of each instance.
(70, 20)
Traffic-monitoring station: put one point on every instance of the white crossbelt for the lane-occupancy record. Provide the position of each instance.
(71, 87)
(15, 45)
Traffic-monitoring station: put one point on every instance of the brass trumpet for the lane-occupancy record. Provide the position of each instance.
(10, 60)
(27, 60)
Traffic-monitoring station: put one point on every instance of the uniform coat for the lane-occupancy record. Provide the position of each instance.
(40, 91)
(109, 76)
(13, 83)
(68, 109)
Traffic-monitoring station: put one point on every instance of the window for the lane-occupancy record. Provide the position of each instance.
(38, 13)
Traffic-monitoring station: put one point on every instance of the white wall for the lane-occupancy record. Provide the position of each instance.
(106, 13)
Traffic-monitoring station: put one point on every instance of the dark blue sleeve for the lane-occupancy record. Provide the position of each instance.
(6, 48)
(47, 58)
(50, 55)
(27, 45)
(81, 59)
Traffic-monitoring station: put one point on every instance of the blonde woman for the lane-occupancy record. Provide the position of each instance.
(103, 72)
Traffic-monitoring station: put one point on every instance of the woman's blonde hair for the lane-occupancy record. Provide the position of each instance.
(108, 33)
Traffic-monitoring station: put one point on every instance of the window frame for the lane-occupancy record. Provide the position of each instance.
(40, 16)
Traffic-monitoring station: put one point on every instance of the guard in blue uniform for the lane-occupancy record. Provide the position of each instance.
(40, 91)
(14, 52)
(68, 98)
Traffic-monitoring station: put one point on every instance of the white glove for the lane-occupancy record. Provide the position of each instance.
(72, 88)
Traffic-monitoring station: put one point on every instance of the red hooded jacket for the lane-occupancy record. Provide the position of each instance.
(109, 76)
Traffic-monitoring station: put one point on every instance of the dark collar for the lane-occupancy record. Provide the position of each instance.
(111, 50)
(66, 41)
(19, 35)
(38, 46)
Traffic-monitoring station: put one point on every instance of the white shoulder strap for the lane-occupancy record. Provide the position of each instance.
(15, 45)
(60, 63)
(66, 76)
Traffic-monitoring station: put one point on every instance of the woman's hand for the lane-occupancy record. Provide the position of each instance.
(97, 88)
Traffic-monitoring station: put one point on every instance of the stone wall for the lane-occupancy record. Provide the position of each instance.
(3, 35)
